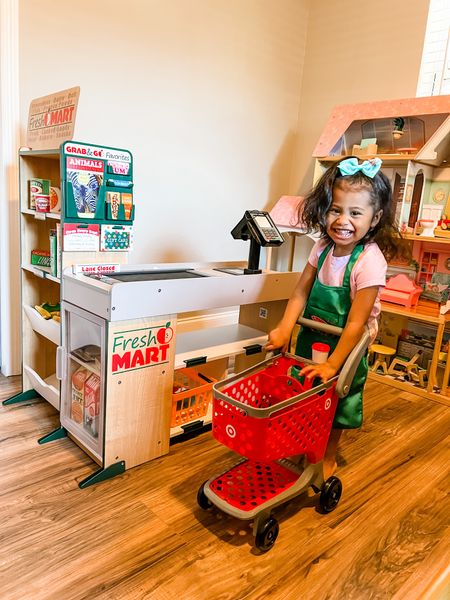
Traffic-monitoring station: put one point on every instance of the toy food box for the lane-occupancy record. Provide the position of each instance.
(92, 404)
(77, 401)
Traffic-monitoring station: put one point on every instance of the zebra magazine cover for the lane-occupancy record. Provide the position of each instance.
(86, 177)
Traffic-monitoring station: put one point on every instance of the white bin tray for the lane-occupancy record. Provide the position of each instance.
(48, 388)
(49, 328)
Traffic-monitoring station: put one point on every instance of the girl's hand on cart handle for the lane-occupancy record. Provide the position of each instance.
(278, 339)
(324, 371)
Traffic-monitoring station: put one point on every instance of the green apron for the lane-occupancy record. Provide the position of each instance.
(332, 305)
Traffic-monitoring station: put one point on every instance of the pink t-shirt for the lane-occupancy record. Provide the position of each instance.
(368, 271)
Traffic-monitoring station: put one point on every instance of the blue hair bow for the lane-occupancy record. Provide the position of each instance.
(350, 166)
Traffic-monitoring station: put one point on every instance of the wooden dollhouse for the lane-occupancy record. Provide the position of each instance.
(412, 137)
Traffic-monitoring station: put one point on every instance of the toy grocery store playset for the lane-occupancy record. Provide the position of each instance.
(129, 381)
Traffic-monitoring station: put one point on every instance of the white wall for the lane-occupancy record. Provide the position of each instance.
(355, 52)
(221, 101)
(205, 93)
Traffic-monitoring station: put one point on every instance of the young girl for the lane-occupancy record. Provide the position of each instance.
(351, 207)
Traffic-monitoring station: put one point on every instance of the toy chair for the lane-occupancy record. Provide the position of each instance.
(418, 375)
(380, 353)
(407, 368)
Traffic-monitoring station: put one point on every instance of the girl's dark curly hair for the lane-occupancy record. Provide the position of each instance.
(313, 212)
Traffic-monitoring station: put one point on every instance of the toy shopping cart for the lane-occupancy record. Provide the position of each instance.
(268, 414)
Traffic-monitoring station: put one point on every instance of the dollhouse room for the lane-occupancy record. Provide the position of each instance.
(155, 160)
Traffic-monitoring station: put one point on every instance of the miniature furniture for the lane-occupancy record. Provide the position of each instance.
(400, 289)
(408, 369)
(403, 364)
(418, 375)
(381, 353)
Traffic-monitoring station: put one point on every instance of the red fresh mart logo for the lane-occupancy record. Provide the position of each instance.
(141, 348)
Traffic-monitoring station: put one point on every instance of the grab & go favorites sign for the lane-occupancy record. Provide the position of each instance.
(140, 348)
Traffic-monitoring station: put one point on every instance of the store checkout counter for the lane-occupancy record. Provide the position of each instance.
(120, 349)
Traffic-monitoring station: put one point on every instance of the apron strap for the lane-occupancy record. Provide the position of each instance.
(351, 263)
(323, 256)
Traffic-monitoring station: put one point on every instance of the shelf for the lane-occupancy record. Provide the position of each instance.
(41, 216)
(408, 387)
(216, 342)
(88, 366)
(384, 157)
(411, 313)
(52, 153)
(49, 328)
(42, 272)
(48, 388)
(420, 238)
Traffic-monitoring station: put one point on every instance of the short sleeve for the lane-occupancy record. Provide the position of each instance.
(370, 269)
(316, 251)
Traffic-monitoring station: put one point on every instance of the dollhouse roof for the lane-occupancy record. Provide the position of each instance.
(436, 150)
(343, 116)
(285, 213)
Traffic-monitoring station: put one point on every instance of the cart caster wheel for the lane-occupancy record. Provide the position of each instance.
(202, 499)
(267, 534)
(330, 494)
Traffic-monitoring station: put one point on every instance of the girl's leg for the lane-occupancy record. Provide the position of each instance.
(329, 460)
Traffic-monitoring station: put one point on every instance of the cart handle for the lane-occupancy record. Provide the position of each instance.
(352, 361)
(262, 413)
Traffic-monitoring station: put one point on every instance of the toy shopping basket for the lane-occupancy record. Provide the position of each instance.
(267, 414)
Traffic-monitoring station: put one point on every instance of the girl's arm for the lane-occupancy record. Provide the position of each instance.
(357, 319)
(280, 336)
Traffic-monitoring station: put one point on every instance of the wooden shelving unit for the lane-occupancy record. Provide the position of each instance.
(441, 323)
(42, 337)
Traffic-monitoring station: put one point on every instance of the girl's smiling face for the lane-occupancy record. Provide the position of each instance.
(350, 217)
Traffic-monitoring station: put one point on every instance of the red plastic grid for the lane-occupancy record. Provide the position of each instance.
(251, 483)
(302, 428)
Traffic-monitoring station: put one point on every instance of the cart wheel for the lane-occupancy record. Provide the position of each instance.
(330, 494)
(202, 499)
(267, 534)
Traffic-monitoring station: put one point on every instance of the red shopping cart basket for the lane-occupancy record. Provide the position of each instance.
(268, 413)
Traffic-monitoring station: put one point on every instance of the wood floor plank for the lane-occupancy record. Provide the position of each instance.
(142, 536)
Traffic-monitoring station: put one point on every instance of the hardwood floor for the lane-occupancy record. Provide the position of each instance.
(142, 535)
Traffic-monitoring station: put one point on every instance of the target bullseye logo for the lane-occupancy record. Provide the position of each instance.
(327, 404)
(231, 431)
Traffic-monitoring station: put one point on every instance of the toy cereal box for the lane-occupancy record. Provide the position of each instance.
(92, 404)
(77, 404)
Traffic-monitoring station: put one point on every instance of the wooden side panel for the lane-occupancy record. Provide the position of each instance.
(139, 384)
(262, 315)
